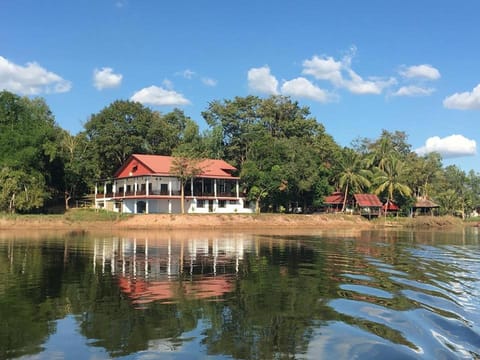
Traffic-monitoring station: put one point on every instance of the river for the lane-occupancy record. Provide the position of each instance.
(240, 295)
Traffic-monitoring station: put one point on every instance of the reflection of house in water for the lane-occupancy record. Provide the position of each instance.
(167, 270)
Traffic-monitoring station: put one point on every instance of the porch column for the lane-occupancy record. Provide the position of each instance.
(147, 190)
(96, 192)
(135, 187)
(125, 188)
(237, 188)
(105, 195)
(191, 186)
(134, 206)
(215, 187)
(114, 187)
(147, 203)
(169, 206)
(169, 188)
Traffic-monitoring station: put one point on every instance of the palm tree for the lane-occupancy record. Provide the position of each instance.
(352, 175)
(389, 180)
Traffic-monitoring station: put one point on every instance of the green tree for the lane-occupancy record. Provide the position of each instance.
(29, 145)
(352, 175)
(390, 180)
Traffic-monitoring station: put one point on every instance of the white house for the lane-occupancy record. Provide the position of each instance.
(148, 184)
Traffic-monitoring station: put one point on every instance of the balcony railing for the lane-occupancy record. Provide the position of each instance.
(165, 193)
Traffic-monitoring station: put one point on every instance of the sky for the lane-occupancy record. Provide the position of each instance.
(359, 66)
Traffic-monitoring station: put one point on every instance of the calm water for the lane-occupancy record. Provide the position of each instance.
(368, 295)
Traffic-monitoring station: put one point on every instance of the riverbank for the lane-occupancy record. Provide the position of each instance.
(94, 220)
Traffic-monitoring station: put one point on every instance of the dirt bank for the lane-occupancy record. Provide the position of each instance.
(227, 221)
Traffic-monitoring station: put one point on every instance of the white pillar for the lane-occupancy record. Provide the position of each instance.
(237, 188)
(215, 187)
(169, 206)
(96, 193)
(147, 190)
(104, 195)
(147, 206)
(169, 188)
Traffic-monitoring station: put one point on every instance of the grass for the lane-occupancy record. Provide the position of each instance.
(87, 215)
(72, 215)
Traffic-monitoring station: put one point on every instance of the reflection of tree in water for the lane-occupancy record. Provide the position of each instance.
(248, 298)
(32, 293)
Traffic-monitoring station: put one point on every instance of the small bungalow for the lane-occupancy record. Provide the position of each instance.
(390, 208)
(424, 206)
(334, 203)
(148, 184)
(369, 205)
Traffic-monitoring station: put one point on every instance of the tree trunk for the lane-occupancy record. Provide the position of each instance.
(182, 197)
(345, 199)
(67, 199)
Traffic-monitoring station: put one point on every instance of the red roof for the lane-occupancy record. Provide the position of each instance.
(390, 206)
(367, 200)
(334, 199)
(138, 165)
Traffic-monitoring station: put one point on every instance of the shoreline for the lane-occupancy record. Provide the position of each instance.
(85, 220)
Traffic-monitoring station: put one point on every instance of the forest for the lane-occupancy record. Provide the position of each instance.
(284, 156)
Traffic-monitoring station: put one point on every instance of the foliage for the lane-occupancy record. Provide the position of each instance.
(284, 156)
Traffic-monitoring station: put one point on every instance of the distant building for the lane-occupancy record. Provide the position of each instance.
(424, 206)
(148, 184)
(369, 205)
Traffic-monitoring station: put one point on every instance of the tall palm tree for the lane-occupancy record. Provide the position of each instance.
(389, 179)
(352, 175)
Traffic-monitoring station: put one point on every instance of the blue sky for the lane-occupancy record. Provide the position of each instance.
(360, 66)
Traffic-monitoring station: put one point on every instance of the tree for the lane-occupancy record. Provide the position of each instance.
(185, 168)
(116, 132)
(20, 191)
(351, 175)
(29, 146)
(390, 180)
(77, 166)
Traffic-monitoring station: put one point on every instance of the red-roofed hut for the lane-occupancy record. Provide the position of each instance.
(369, 205)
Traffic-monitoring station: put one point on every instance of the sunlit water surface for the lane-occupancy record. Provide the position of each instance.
(366, 295)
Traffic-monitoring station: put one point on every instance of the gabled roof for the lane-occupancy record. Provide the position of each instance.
(425, 203)
(335, 199)
(139, 164)
(367, 200)
(390, 206)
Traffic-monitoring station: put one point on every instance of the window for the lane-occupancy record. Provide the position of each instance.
(222, 203)
(233, 202)
(164, 189)
(200, 203)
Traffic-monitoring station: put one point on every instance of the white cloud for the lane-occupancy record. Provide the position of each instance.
(413, 90)
(464, 101)
(187, 74)
(31, 79)
(423, 71)
(168, 84)
(302, 88)
(341, 75)
(154, 95)
(326, 68)
(209, 81)
(106, 78)
(260, 80)
(449, 147)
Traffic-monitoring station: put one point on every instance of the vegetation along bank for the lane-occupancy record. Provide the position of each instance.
(285, 158)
